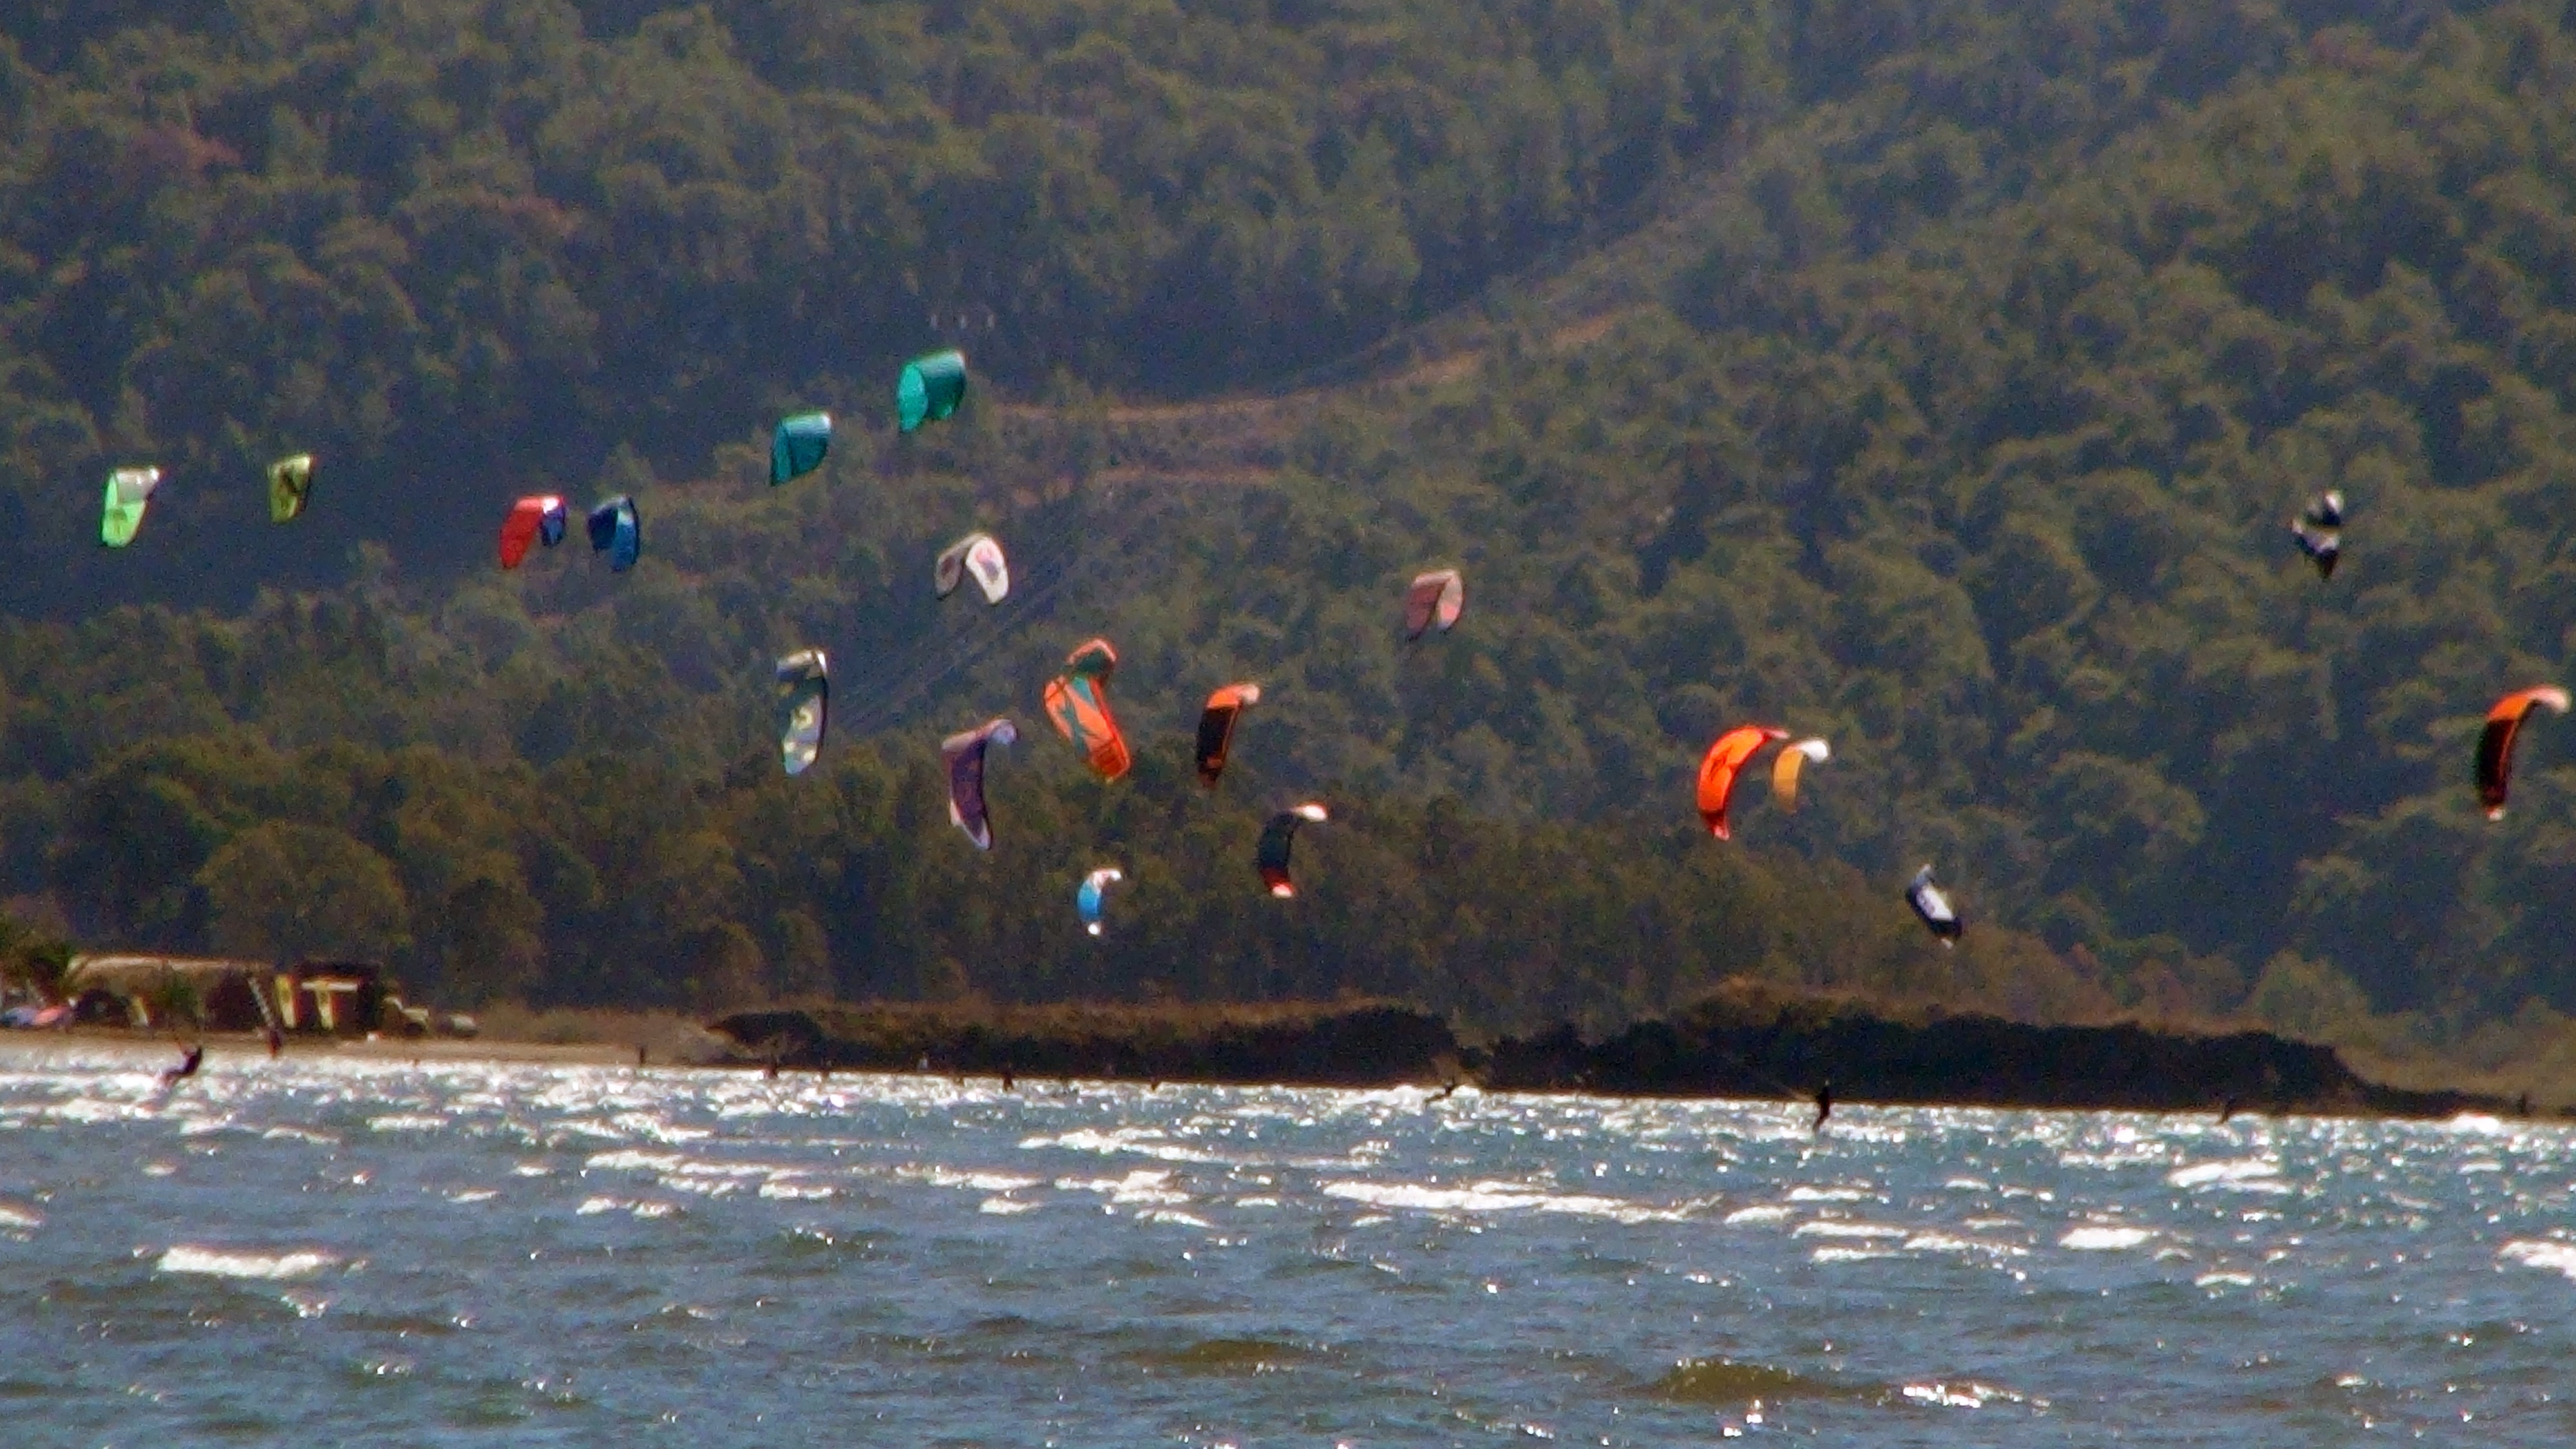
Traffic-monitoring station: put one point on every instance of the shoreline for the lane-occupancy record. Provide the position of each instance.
(238, 1046)
(1746, 1044)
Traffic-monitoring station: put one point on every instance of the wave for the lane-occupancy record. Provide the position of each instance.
(707, 1179)
(1960, 1396)
(1726, 1381)
(1144, 1142)
(1945, 1243)
(938, 1176)
(234, 1263)
(2241, 1174)
(1490, 1197)
(2555, 1257)
(644, 1208)
(630, 1159)
(87, 1111)
(1142, 1185)
(1845, 1230)
(2097, 1239)
(1228, 1356)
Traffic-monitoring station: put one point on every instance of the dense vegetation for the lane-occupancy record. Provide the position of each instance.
(1952, 409)
(459, 247)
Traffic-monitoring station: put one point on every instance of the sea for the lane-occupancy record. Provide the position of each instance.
(333, 1251)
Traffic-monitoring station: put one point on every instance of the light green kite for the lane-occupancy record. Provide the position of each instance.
(290, 481)
(128, 490)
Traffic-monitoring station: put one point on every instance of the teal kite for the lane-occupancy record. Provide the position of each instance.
(931, 388)
(798, 446)
(617, 531)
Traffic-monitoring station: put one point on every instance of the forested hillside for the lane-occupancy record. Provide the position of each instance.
(458, 247)
(1937, 378)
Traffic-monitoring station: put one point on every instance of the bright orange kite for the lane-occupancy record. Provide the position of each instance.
(1723, 763)
(2495, 747)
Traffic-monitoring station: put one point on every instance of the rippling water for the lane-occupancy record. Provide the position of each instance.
(326, 1252)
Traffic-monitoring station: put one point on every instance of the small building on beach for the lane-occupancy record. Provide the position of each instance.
(326, 998)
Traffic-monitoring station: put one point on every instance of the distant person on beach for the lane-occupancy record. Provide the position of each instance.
(1824, 1106)
(276, 1042)
(189, 1061)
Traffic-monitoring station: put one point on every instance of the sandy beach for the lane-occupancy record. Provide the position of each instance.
(26, 1046)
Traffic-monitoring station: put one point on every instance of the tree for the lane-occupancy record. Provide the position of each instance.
(286, 892)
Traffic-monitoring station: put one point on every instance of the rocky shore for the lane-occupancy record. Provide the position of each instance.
(1747, 1040)
(1363, 1044)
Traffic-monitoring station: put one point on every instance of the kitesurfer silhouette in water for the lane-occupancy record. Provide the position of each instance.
(189, 1061)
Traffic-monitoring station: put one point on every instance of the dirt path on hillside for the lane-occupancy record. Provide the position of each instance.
(1243, 440)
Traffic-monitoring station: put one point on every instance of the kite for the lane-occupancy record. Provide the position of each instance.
(1785, 769)
(129, 493)
(616, 531)
(1216, 727)
(963, 754)
(804, 707)
(1719, 768)
(2504, 729)
(1437, 597)
(797, 446)
(930, 389)
(979, 556)
(1932, 907)
(1077, 704)
(1277, 838)
(290, 483)
(1093, 895)
(532, 520)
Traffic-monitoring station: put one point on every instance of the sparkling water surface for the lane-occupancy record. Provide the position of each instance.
(330, 1251)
